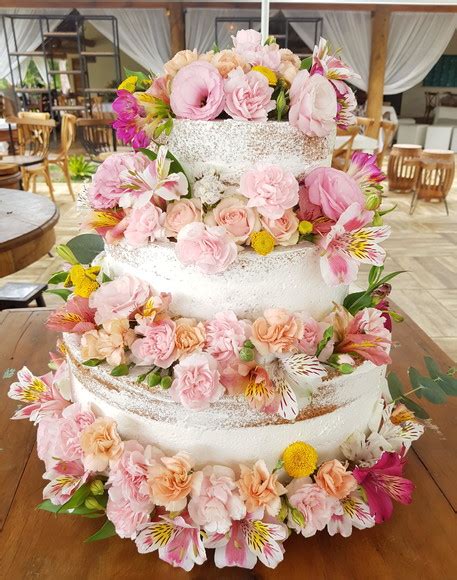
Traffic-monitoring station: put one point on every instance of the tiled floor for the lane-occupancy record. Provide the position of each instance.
(424, 244)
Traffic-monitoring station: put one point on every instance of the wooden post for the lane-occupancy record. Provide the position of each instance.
(177, 27)
(378, 59)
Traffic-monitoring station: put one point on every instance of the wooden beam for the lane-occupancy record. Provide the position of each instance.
(378, 59)
(177, 27)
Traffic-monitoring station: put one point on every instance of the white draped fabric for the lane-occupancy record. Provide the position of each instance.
(143, 34)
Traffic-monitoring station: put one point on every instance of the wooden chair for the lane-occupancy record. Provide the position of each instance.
(342, 155)
(98, 137)
(387, 129)
(435, 177)
(402, 170)
(67, 137)
(364, 123)
(33, 115)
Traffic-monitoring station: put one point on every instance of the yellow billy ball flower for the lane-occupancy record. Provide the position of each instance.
(262, 242)
(305, 227)
(299, 459)
(128, 84)
(268, 73)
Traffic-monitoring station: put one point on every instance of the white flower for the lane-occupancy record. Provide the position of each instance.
(209, 188)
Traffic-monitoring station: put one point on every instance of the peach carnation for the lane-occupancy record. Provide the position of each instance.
(333, 478)
(289, 66)
(278, 331)
(260, 489)
(180, 60)
(227, 60)
(189, 336)
(170, 481)
(109, 342)
(100, 443)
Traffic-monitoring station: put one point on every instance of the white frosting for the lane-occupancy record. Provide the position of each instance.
(227, 433)
(229, 147)
(289, 277)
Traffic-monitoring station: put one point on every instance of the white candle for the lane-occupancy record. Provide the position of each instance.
(265, 19)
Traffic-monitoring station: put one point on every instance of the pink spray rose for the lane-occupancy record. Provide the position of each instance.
(157, 347)
(313, 333)
(316, 506)
(145, 224)
(214, 500)
(196, 382)
(197, 92)
(333, 190)
(284, 230)
(248, 96)
(120, 298)
(225, 335)
(270, 189)
(233, 214)
(313, 104)
(180, 213)
(210, 249)
(160, 89)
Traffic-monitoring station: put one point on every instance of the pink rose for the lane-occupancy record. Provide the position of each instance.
(214, 500)
(313, 333)
(160, 89)
(248, 96)
(210, 249)
(121, 512)
(225, 335)
(278, 331)
(73, 422)
(180, 213)
(312, 213)
(312, 104)
(270, 189)
(157, 347)
(284, 230)
(145, 224)
(233, 215)
(333, 190)
(196, 382)
(120, 298)
(197, 92)
(313, 503)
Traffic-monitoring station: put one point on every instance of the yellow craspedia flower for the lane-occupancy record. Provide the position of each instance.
(268, 73)
(84, 280)
(262, 242)
(299, 459)
(128, 84)
(305, 227)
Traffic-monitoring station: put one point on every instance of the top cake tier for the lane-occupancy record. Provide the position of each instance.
(228, 148)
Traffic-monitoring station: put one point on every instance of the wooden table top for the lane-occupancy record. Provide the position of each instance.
(417, 543)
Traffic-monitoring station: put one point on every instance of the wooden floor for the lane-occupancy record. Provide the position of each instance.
(424, 244)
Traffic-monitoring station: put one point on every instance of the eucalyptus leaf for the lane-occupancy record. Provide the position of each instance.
(426, 387)
(418, 411)
(106, 531)
(61, 292)
(395, 386)
(86, 247)
(58, 277)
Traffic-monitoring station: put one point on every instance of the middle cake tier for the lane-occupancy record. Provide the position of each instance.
(289, 278)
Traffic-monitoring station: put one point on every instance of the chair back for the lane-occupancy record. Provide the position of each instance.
(436, 174)
(97, 136)
(67, 133)
(33, 115)
(342, 155)
(364, 123)
(387, 131)
(34, 135)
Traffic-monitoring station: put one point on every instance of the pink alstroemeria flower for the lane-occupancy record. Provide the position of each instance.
(42, 396)
(350, 242)
(364, 170)
(66, 477)
(74, 316)
(248, 540)
(329, 65)
(178, 541)
(383, 482)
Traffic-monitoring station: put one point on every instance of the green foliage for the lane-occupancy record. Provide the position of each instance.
(281, 104)
(86, 247)
(306, 63)
(58, 277)
(434, 388)
(106, 531)
(120, 371)
(358, 300)
(61, 292)
(80, 168)
(92, 362)
(76, 504)
(143, 80)
(326, 337)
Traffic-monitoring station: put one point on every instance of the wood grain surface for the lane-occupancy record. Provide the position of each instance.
(417, 543)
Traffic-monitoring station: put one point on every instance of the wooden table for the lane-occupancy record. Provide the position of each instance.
(27, 225)
(417, 543)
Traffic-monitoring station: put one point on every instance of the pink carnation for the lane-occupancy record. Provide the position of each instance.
(73, 422)
(248, 44)
(197, 92)
(157, 347)
(126, 519)
(270, 189)
(248, 96)
(144, 225)
(215, 502)
(225, 335)
(333, 190)
(313, 106)
(196, 382)
(120, 298)
(210, 249)
(313, 503)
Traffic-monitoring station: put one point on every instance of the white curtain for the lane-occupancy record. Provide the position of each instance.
(143, 34)
(201, 26)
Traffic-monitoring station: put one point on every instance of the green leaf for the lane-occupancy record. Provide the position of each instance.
(415, 408)
(92, 362)
(48, 506)
(306, 63)
(149, 154)
(120, 371)
(388, 278)
(328, 334)
(375, 273)
(426, 387)
(77, 499)
(356, 301)
(139, 74)
(215, 47)
(395, 386)
(106, 531)
(58, 277)
(61, 292)
(106, 278)
(86, 247)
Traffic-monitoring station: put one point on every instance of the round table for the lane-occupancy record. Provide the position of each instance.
(27, 223)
